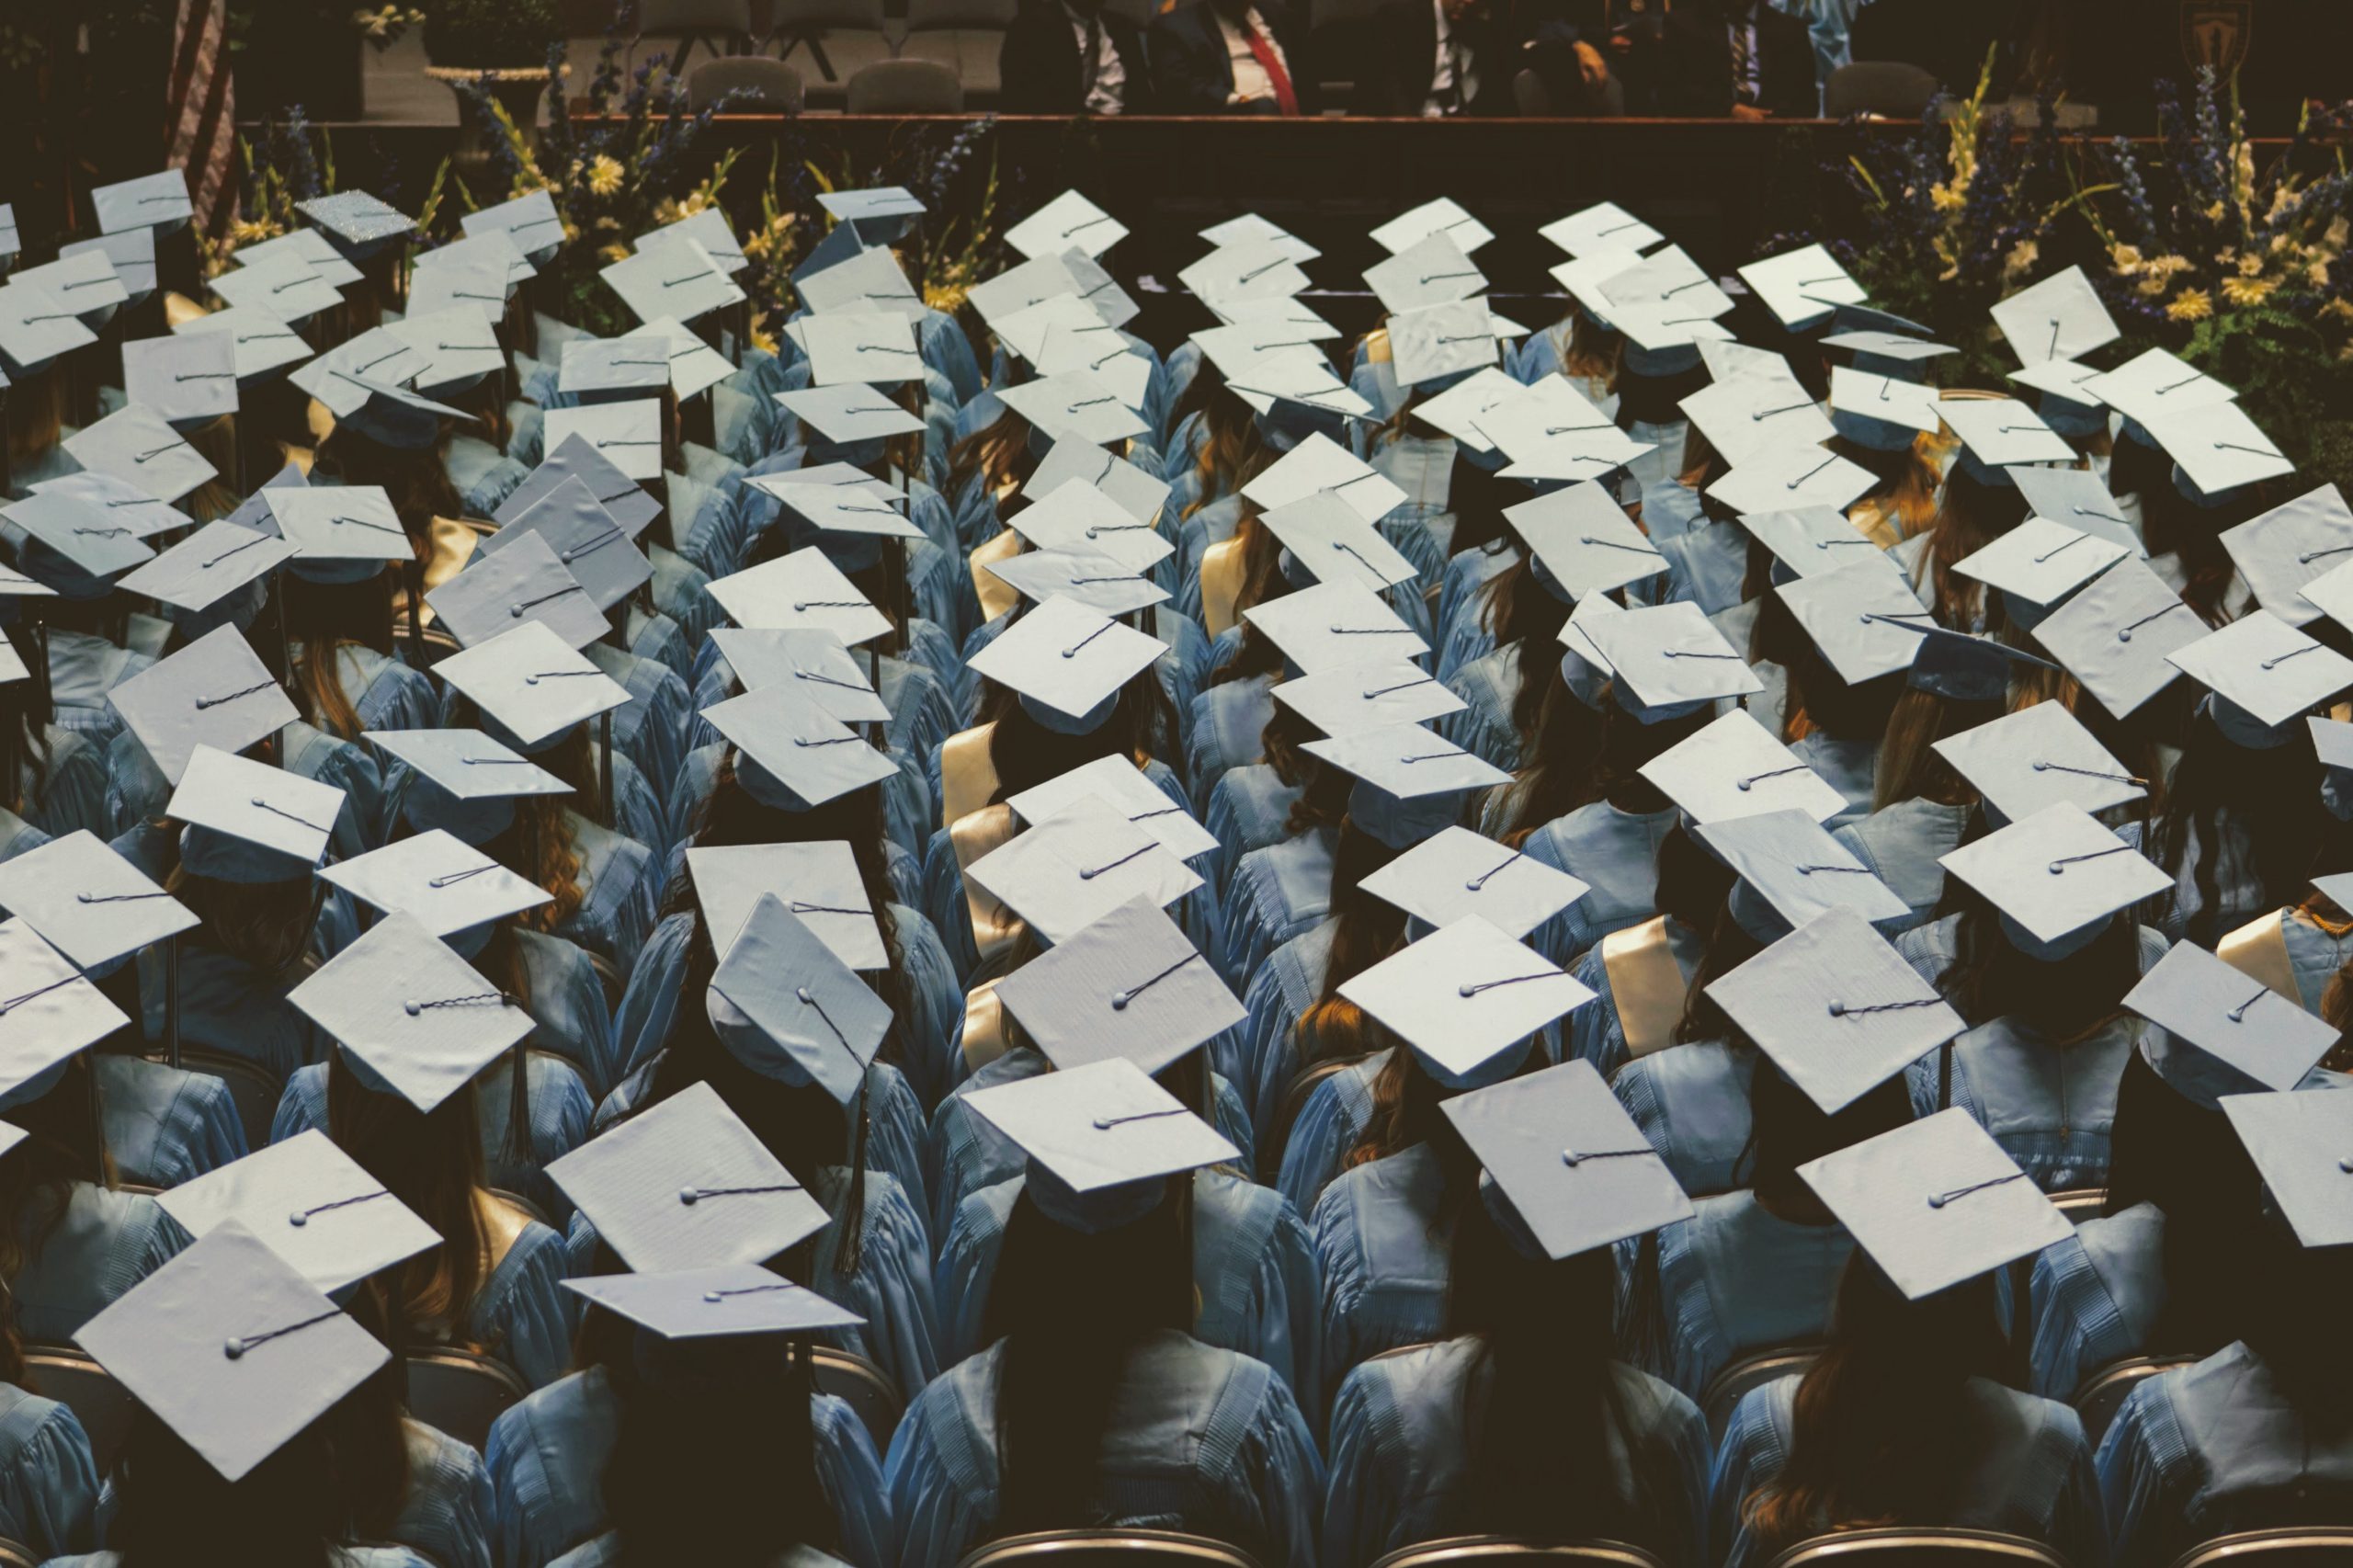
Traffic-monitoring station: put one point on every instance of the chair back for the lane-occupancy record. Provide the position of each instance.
(254, 1089)
(799, 18)
(1507, 1552)
(665, 18)
(1287, 1110)
(1724, 1391)
(868, 1390)
(980, 16)
(2104, 1392)
(103, 1406)
(1108, 1549)
(905, 87)
(461, 1392)
(761, 85)
(1529, 94)
(2080, 1203)
(2306, 1546)
(1919, 1548)
(1890, 87)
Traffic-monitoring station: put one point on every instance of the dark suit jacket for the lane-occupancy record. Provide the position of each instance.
(1689, 71)
(1038, 66)
(1400, 58)
(1190, 72)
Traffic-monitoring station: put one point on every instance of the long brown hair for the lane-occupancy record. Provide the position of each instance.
(320, 617)
(1141, 726)
(1904, 492)
(264, 924)
(1522, 615)
(1971, 514)
(991, 455)
(1364, 930)
(1909, 768)
(2244, 817)
(1233, 451)
(432, 1161)
(416, 480)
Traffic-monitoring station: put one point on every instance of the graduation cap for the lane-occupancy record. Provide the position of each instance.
(1319, 465)
(814, 663)
(1785, 478)
(1376, 694)
(358, 223)
(283, 285)
(139, 446)
(1457, 873)
(1444, 215)
(838, 273)
(2299, 1142)
(2038, 757)
(1604, 226)
(1098, 582)
(787, 1007)
(86, 282)
(1733, 768)
(1100, 1140)
(523, 581)
(2233, 1018)
(2118, 634)
(1079, 516)
(1571, 1168)
(869, 348)
(229, 1347)
(2285, 550)
(732, 1300)
(1807, 541)
(1251, 226)
(2155, 383)
(393, 416)
(310, 1203)
(803, 589)
(2056, 877)
(49, 1012)
(446, 885)
(677, 280)
(248, 821)
(151, 201)
(1669, 660)
(94, 544)
(793, 755)
(1324, 536)
(342, 533)
(1334, 625)
(188, 379)
(1433, 271)
(1751, 415)
(463, 782)
(1069, 221)
(459, 299)
(1249, 269)
(819, 884)
(601, 368)
(1067, 662)
(1463, 997)
(1117, 781)
(1437, 341)
(1803, 287)
(1582, 538)
(1862, 617)
(1464, 409)
(1068, 870)
(2040, 562)
(1998, 433)
(2266, 667)
(1884, 413)
(2219, 448)
(216, 692)
(531, 684)
(1072, 405)
(881, 214)
(622, 497)
(1137, 492)
(695, 366)
(629, 435)
(685, 1184)
(205, 568)
(1130, 986)
(1837, 1010)
(2068, 403)
(849, 414)
(36, 327)
(413, 1017)
(1406, 763)
(1936, 1202)
(1792, 870)
(2059, 318)
(706, 227)
(586, 539)
(531, 221)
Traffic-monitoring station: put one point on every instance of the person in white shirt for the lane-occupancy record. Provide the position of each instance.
(1071, 57)
(1230, 57)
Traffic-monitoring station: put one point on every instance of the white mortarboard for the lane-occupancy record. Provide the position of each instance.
(803, 589)
(2064, 379)
(601, 367)
(1321, 465)
(2287, 548)
(1669, 655)
(356, 221)
(1544, 450)
(1936, 1202)
(2266, 666)
(468, 763)
(311, 247)
(12, 243)
(695, 366)
(147, 202)
(1790, 862)
(1444, 215)
(460, 298)
(860, 506)
(792, 741)
(1862, 617)
(140, 446)
(1440, 340)
(229, 1347)
(124, 504)
(1433, 270)
(1584, 540)
(1031, 330)
(88, 902)
(1251, 226)
(1103, 1125)
(531, 683)
(2116, 635)
(1572, 1164)
(36, 327)
(1836, 1007)
(2001, 431)
(1781, 479)
(586, 539)
(1407, 762)
(202, 569)
(531, 221)
(1117, 781)
(1333, 625)
(1131, 985)
(96, 544)
(1100, 289)
(1733, 768)
(86, 282)
(1302, 376)
(849, 414)
(346, 376)
(628, 435)
(283, 285)
(286, 817)
(1066, 656)
(339, 522)
(2056, 872)
(2059, 318)
(1729, 361)
(49, 1011)
(1665, 283)
(706, 227)
(216, 692)
(1462, 410)
(1079, 516)
(2038, 757)
(2232, 1016)
(1323, 534)
(1464, 996)
(868, 280)
(1068, 221)
(1099, 583)
(1605, 225)
(524, 581)
(879, 213)
(417, 1016)
(731, 1300)
(815, 662)
(1076, 865)
(786, 1005)
(2076, 498)
(1375, 694)
(678, 281)
(1072, 405)
(1103, 353)
(1874, 348)
(1807, 540)
(2299, 1142)
(1457, 872)
(631, 504)
(686, 1184)
(1247, 269)
(1018, 289)
(311, 1204)
(2219, 446)
(2154, 383)
(871, 348)
(818, 882)
(190, 378)
(1750, 416)
(1140, 494)
(1802, 285)
(1868, 395)
(440, 882)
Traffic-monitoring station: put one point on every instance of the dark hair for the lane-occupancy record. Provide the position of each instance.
(1023, 751)
(996, 452)
(59, 1148)
(1366, 929)
(26, 713)
(266, 925)
(1972, 516)
(432, 1161)
(2066, 999)
(320, 618)
(2274, 821)
(1522, 615)
(2167, 1149)
(1787, 1128)
(1909, 768)
(1557, 760)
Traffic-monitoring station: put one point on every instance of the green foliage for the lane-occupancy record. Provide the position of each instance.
(490, 35)
(2282, 366)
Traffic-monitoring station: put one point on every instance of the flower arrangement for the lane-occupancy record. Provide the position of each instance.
(2238, 268)
(386, 25)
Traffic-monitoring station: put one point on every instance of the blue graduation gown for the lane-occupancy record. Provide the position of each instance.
(228, 1006)
(620, 878)
(449, 1514)
(547, 1458)
(1616, 853)
(1330, 1123)
(1401, 1453)
(1848, 767)
(166, 1126)
(1596, 1032)
(1467, 571)
(82, 670)
(49, 1484)
(2095, 1296)
(1249, 808)
(483, 475)
(338, 1557)
(2030, 1473)
(1489, 685)
(1732, 1280)
(1200, 1439)
(1901, 844)
(2048, 1106)
(1222, 731)
(384, 692)
(1277, 893)
(1381, 1245)
(1691, 1102)
(72, 792)
(650, 729)
(104, 1243)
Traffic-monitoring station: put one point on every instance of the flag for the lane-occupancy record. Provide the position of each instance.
(202, 110)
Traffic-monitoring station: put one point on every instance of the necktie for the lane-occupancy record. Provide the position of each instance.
(1286, 101)
(1740, 49)
(1091, 65)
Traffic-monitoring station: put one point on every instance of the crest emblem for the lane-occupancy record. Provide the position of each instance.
(2216, 33)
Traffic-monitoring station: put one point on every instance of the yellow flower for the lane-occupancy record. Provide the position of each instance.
(2247, 290)
(2022, 257)
(613, 253)
(2190, 304)
(2214, 212)
(2125, 259)
(2340, 308)
(604, 175)
(2250, 266)
(665, 211)
(2338, 233)
(1947, 198)
(757, 247)
(2316, 272)
(2150, 285)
